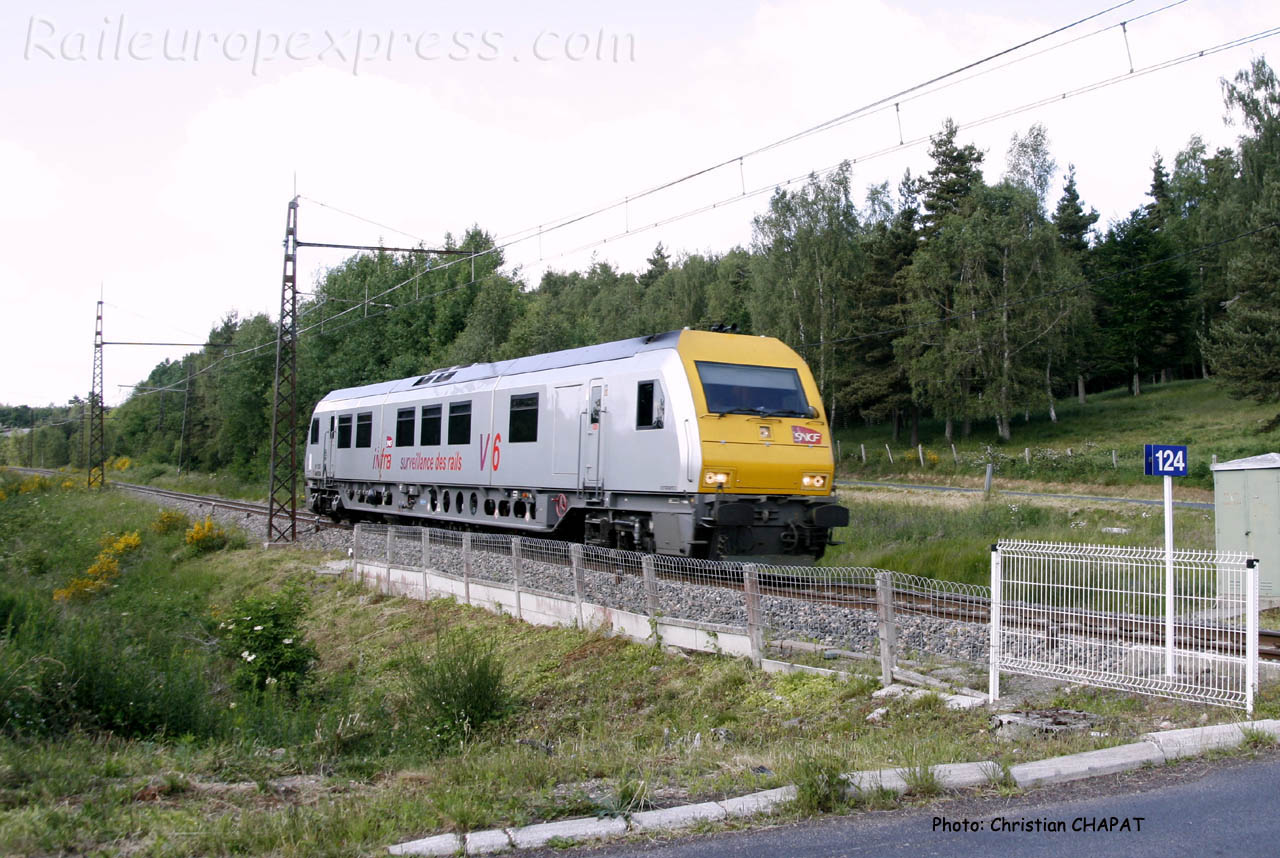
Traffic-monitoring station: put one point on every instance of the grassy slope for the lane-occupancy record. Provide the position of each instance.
(950, 536)
(619, 718)
(1196, 413)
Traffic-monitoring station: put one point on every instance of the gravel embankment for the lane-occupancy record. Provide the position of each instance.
(848, 628)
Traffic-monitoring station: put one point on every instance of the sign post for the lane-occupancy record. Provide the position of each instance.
(1168, 461)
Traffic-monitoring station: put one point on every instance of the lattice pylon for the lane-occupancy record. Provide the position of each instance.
(97, 459)
(282, 517)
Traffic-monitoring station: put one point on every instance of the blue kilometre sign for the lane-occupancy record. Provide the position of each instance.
(1165, 460)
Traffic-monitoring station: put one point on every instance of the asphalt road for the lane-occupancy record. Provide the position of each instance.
(1228, 807)
(967, 490)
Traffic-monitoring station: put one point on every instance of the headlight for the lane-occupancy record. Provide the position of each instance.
(715, 478)
(814, 481)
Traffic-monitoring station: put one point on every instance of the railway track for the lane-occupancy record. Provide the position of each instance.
(956, 607)
(305, 517)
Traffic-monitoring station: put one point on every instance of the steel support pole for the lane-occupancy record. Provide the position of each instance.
(97, 461)
(993, 648)
(282, 473)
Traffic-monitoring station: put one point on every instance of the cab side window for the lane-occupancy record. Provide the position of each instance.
(649, 405)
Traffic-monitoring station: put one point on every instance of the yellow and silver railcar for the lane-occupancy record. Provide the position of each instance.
(690, 443)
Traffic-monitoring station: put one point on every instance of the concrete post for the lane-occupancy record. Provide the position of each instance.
(355, 551)
(755, 625)
(888, 627)
(426, 564)
(466, 567)
(517, 564)
(386, 581)
(575, 558)
(650, 586)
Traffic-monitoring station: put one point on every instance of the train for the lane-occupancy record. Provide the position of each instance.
(692, 443)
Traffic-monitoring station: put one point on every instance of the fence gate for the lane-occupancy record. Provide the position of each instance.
(1118, 617)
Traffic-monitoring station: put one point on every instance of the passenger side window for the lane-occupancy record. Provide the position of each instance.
(404, 427)
(431, 425)
(364, 429)
(344, 431)
(460, 422)
(649, 405)
(524, 418)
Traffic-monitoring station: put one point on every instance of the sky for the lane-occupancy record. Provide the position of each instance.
(148, 150)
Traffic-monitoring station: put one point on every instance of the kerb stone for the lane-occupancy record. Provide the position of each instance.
(440, 844)
(583, 828)
(677, 817)
(1087, 765)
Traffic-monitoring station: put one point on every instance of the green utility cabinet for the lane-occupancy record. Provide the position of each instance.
(1246, 499)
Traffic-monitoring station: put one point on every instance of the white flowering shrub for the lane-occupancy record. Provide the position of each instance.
(263, 636)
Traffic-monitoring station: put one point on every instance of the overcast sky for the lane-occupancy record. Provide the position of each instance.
(150, 151)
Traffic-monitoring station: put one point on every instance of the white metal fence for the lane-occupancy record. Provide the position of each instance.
(734, 607)
(1121, 618)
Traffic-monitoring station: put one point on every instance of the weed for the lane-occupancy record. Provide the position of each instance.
(879, 797)
(922, 780)
(632, 796)
(559, 842)
(820, 787)
(1257, 740)
(458, 690)
(999, 776)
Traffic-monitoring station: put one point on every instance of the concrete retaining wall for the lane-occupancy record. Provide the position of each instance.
(547, 609)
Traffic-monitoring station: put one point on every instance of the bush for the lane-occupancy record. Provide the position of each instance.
(458, 690)
(105, 568)
(264, 636)
(170, 521)
(205, 536)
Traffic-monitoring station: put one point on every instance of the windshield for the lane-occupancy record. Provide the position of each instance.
(741, 389)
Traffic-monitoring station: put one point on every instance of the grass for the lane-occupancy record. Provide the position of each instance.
(588, 724)
(951, 538)
(1196, 413)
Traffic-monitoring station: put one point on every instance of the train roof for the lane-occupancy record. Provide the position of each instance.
(533, 363)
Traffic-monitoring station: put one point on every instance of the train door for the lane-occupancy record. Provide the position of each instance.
(326, 451)
(567, 436)
(592, 430)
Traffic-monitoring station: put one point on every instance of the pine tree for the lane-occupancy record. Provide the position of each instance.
(659, 264)
(1244, 347)
(956, 173)
(1073, 227)
(1070, 219)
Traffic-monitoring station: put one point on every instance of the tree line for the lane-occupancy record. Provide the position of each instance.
(950, 294)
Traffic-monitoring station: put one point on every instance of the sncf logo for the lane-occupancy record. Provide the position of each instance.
(805, 435)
